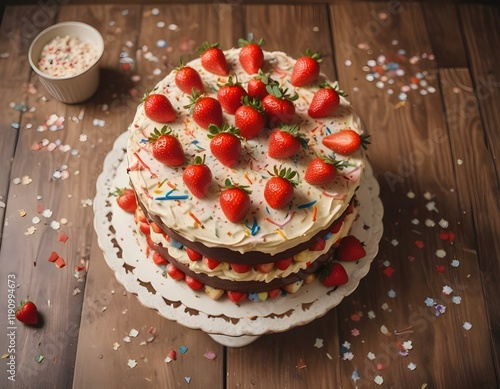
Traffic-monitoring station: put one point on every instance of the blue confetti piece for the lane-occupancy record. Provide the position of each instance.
(328, 131)
(355, 375)
(161, 43)
(328, 236)
(183, 349)
(179, 197)
(255, 228)
(307, 205)
(15, 125)
(144, 141)
(176, 244)
(429, 302)
(253, 296)
(188, 379)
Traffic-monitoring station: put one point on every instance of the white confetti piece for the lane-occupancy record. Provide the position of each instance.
(378, 380)
(188, 379)
(55, 225)
(155, 11)
(346, 345)
(370, 356)
(410, 195)
(371, 315)
(429, 223)
(83, 138)
(467, 326)
(459, 162)
(132, 363)
(455, 263)
(415, 222)
(428, 195)
(407, 345)
(47, 213)
(447, 290)
(456, 300)
(86, 202)
(30, 230)
(394, 242)
(348, 356)
(127, 339)
(2, 204)
(35, 220)
(133, 333)
(385, 306)
(443, 223)
(429, 302)
(116, 346)
(412, 366)
(26, 180)
(440, 253)
(384, 329)
(318, 343)
(431, 206)
(391, 293)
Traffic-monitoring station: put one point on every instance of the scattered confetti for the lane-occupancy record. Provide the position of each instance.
(210, 355)
(394, 242)
(447, 290)
(354, 332)
(455, 263)
(467, 326)
(391, 293)
(132, 363)
(301, 364)
(348, 356)
(440, 253)
(188, 379)
(443, 223)
(429, 223)
(371, 356)
(371, 315)
(429, 302)
(440, 309)
(133, 333)
(456, 300)
(39, 358)
(355, 375)
(388, 271)
(116, 346)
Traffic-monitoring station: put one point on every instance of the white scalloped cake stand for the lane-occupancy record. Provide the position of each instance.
(227, 323)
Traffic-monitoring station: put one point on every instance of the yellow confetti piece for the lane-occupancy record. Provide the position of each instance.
(282, 234)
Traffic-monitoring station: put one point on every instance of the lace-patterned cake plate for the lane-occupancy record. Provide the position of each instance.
(226, 322)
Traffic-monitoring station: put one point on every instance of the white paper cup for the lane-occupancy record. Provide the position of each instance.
(70, 89)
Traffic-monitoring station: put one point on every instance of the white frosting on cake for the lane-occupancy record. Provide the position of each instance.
(264, 229)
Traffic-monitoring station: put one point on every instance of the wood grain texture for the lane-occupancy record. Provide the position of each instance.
(424, 163)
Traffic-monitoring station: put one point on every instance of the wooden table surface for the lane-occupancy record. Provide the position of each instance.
(426, 315)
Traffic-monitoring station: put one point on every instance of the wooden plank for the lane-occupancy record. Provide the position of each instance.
(479, 193)
(16, 33)
(275, 359)
(445, 34)
(482, 38)
(138, 32)
(410, 153)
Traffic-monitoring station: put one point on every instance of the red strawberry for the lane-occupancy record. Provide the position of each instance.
(166, 147)
(175, 273)
(230, 95)
(213, 59)
(158, 108)
(322, 171)
(324, 102)
(278, 191)
(27, 313)
(256, 86)
(250, 118)
(125, 199)
(306, 69)
(283, 264)
(197, 177)
(211, 263)
(193, 284)
(274, 293)
(350, 249)
(346, 141)
(279, 105)
(159, 259)
(188, 79)
(251, 55)
(286, 141)
(236, 297)
(193, 255)
(265, 267)
(239, 268)
(225, 144)
(319, 245)
(335, 275)
(234, 201)
(205, 110)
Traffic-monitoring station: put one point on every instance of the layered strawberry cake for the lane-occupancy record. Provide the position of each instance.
(245, 164)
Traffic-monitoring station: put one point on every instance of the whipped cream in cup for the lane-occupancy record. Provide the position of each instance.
(66, 58)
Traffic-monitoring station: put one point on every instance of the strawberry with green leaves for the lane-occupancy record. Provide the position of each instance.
(325, 101)
(213, 59)
(234, 201)
(346, 142)
(285, 141)
(205, 110)
(197, 177)
(251, 55)
(187, 79)
(278, 191)
(27, 313)
(256, 87)
(166, 148)
(306, 69)
(158, 107)
(225, 144)
(125, 198)
(278, 105)
(230, 95)
(333, 274)
(250, 118)
(323, 170)
(350, 249)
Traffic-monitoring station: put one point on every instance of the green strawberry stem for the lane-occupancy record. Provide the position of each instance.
(229, 184)
(286, 173)
(165, 130)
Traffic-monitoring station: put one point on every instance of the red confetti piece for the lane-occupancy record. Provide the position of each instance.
(388, 271)
(444, 235)
(39, 207)
(355, 317)
(440, 268)
(53, 256)
(451, 236)
(172, 354)
(419, 244)
(60, 263)
(63, 237)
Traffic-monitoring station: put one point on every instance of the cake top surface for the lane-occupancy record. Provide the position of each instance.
(313, 207)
